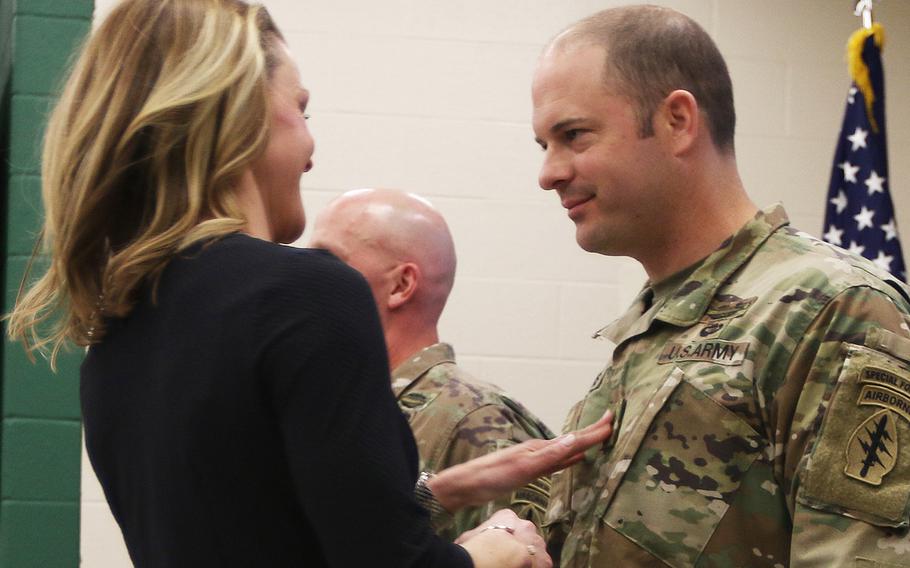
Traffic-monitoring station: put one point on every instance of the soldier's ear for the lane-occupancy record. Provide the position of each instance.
(405, 280)
(679, 120)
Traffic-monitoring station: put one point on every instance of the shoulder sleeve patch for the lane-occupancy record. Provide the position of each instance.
(859, 465)
(530, 502)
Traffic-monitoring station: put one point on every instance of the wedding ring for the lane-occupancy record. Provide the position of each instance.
(506, 528)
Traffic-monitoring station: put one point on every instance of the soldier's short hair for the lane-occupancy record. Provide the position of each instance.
(652, 51)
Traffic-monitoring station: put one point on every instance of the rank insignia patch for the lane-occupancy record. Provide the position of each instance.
(711, 329)
(416, 400)
(872, 449)
(727, 307)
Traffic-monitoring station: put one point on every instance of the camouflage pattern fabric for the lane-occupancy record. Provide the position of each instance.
(456, 418)
(763, 417)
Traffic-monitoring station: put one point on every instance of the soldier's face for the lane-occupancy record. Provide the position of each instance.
(606, 175)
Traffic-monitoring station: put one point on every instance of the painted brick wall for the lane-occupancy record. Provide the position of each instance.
(40, 431)
(434, 97)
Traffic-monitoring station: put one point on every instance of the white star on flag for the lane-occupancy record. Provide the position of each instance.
(883, 261)
(849, 171)
(875, 183)
(856, 249)
(864, 218)
(840, 202)
(851, 95)
(858, 138)
(833, 235)
(890, 229)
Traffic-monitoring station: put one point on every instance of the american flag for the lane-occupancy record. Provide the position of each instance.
(859, 215)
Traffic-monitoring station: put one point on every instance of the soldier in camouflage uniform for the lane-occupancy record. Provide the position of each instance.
(761, 379)
(402, 246)
(456, 418)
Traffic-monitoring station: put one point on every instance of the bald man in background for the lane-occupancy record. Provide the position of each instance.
(402, 246)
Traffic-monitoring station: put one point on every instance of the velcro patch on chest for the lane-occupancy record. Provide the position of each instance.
(715, 351)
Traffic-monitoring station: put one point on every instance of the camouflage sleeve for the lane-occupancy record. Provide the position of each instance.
(485, 430)
(839, 415)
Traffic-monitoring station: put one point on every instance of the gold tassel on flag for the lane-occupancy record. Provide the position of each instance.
(859, 72)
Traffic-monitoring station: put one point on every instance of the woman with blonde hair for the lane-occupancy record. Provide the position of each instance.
(235, 393)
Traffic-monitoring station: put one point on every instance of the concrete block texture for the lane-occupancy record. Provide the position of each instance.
(28, 115)
(457, 158)
(40, 535)
(39, 434)
(40, 460)
(6, 45)
(32, 390)
(431, 78)
(102, 544)
(44, 48)
(23, 214)
(90, 487)
(507, 317)
(548, 387)
(80, 9)
(503, 21)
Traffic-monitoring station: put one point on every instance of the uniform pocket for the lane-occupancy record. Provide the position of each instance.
(558, 510)
(558, 518)
(866, 563)
(677, 472)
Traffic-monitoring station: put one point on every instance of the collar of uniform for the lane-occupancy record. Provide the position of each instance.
(690, 301)
(405, 374)
(688, 304)
(624, 325)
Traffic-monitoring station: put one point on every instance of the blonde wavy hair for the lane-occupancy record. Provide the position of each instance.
(164, 109)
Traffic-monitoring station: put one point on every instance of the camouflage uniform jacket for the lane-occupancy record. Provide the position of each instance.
(456, 418)
(763, 408)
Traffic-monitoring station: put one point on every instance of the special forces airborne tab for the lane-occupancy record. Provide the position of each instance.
(885, 378)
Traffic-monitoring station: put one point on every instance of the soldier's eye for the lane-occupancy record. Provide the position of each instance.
(572, 134)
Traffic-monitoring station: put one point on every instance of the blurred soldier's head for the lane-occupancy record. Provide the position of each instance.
(402, 246)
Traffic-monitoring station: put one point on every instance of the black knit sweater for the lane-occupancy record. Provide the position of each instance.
(245, 418)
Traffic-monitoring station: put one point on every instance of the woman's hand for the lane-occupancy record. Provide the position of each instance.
(486, 478)
(505, 541)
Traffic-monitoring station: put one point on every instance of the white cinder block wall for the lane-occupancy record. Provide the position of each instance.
(433, 96)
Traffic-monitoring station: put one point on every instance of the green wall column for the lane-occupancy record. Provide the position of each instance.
(40, 448)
